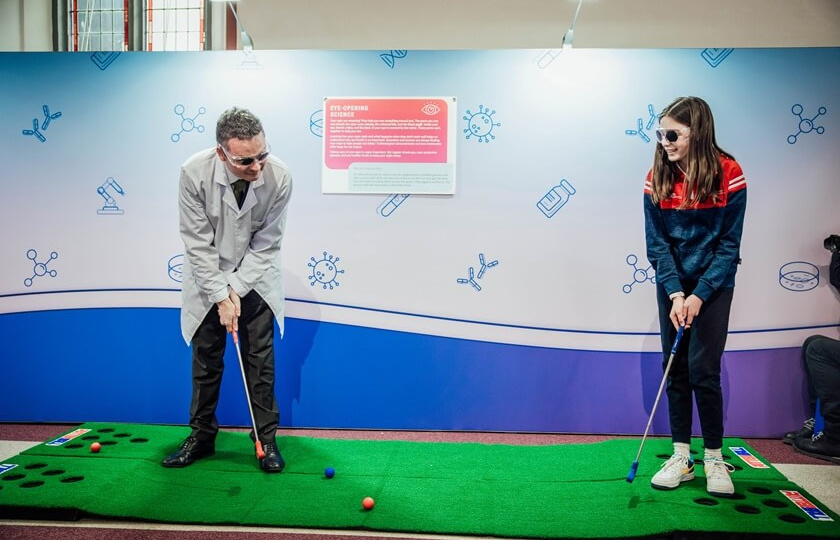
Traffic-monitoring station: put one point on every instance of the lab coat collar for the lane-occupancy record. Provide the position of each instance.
(224, 177)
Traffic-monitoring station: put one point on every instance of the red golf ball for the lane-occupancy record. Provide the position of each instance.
(95, 447)
(367, 503)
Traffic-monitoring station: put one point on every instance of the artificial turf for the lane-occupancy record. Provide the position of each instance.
(560, 491)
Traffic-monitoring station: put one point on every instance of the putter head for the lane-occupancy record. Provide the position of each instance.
(632, 474)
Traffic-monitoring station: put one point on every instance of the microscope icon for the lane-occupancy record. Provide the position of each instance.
(110, 208)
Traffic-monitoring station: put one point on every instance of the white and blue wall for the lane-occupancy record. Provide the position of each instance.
(559, 335)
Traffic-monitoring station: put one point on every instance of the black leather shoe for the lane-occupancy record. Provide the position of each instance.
(273, 461)
(805, 432)
(191, 450)
(819, 447)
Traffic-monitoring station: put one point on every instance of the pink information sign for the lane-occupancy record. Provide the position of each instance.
(379, 130)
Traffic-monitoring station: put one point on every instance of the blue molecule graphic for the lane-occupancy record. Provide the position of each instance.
(39, 269)
(806, 125)
(325, 271)
(187, 124)
(639, 275)
(481, 124)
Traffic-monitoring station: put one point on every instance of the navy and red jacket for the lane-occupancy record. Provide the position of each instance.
(696, 249)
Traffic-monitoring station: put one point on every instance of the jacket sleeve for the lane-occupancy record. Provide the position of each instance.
(728, 248)
(264, 249)
(658, 251)
(197, 234)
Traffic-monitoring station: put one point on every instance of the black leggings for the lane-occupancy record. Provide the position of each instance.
(696, 367)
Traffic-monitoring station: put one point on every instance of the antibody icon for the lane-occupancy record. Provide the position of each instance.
(481, 124)
(471, 279)
(48, 118)
(641, 126)
(39, 269)
(325, 271)
(187, 124)
(806, 125)
(639, 275)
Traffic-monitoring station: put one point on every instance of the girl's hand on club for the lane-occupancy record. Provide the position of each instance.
(677, 315)
(692, 307)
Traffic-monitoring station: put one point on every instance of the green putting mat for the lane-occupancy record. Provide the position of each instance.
(571, 491)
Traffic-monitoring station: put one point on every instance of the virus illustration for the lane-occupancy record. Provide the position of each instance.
(325, 271)
(481, 124)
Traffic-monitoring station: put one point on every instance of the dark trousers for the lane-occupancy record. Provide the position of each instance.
(696, 367)
(822, 366)
(812, 394)
(256, 341)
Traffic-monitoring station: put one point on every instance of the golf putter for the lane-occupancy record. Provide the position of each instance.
(632, 474)
(257, 443)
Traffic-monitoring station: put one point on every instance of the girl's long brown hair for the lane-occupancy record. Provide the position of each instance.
(703, 175)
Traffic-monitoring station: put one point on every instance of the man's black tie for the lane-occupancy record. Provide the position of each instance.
(240, 189)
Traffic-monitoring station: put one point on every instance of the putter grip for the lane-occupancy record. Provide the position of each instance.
(676, 339)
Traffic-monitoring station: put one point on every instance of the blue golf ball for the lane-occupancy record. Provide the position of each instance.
(329, 472)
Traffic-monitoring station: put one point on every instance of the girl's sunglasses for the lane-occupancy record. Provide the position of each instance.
(670, 135)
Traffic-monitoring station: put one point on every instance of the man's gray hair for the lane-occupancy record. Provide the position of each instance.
(236, 123)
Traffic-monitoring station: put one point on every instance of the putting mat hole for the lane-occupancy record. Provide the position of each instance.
(90, 438)
(122, 435)
(663, 456)
(73, 445)
(790, 518)
(760, 490)
(13, 477)
(53, 472)
(773, 503)
(32, 466)
(737, 497)
(32, 484)
(139, 440)
(71, 479)
(747, 509)
(106, 430)
(706, 501)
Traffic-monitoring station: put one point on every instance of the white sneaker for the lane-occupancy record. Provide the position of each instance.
(718, 482)
(678, 469)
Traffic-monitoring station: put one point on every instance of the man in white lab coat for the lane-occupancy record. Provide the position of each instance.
(233, 201)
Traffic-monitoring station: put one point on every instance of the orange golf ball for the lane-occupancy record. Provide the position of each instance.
(367, 503)
(95, 447)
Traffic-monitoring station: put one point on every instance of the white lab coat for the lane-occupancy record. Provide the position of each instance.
(225, 246)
